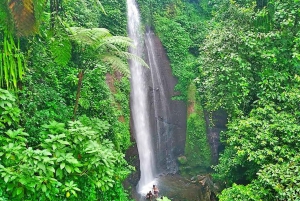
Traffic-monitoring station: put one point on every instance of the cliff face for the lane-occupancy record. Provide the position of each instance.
(168, 117)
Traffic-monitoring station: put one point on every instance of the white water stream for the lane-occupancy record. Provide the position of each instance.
(161, 107)
(139, 104)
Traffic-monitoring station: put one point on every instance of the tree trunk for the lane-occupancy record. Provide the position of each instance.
(80, 78)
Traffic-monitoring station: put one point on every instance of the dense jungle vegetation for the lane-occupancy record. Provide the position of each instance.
(64, 93)
(64, 130)
(244, 58)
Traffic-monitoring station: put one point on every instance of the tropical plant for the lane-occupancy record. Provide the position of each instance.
(21, 18)
(108, 49)
(249, 67)
(55, 168)
(12, 62)
(10, 114)
(23, 14)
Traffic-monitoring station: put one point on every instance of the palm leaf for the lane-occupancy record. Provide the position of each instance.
(22, 12)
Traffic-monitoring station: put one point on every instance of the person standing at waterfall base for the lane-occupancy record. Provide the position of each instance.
(149, 196)
(155, 191)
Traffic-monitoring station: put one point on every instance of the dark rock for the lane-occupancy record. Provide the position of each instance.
(215, 123)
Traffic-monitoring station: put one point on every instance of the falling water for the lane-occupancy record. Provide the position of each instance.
(139, 108)
(164, 129)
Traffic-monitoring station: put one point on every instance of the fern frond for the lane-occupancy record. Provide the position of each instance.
(61, 50)
(89, 36)
(134, 57)
(110, 49)
(120, 41)
(22, 12)
(117, 64)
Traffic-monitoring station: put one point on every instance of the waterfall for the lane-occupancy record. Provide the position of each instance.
(161, 101)
(139, 101)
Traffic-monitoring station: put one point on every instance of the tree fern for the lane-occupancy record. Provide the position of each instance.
(107, 47)
(89, 37)
(116, 41)
(116, 63)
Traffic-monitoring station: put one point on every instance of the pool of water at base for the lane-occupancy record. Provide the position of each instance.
(175, 187)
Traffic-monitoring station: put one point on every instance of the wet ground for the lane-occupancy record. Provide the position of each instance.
(174, 187)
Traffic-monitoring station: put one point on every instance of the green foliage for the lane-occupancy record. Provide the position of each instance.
(122, 129)
(47, 95)
(177, 42)
(197, 150)
(47, 91)
(109, 49)
(249, 67)
(226, 79)
(82, 13)
(98, 101)
(12, 64)
(95, 94)
(54, 169)
(163, 199)
(239, 193)
(9, 113)
(114, 18)
(282, 179)
(267, 136)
